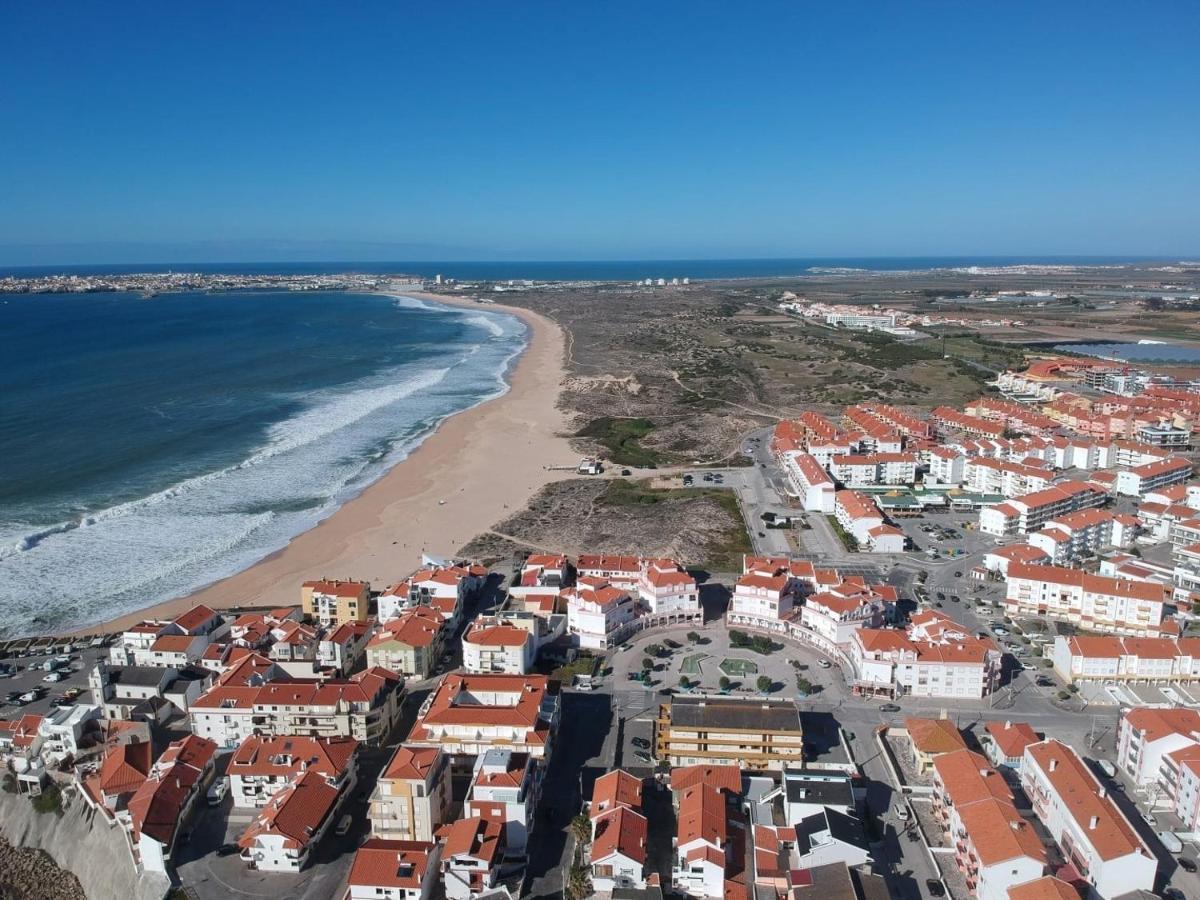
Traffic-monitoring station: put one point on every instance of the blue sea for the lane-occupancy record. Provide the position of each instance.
(151, 446)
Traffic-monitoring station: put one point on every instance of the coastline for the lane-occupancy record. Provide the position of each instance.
(478, 466)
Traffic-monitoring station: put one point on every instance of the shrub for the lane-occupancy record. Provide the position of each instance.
(48, 801)
(763, 683)
(725, 683)
(693, 637)
(803, 685)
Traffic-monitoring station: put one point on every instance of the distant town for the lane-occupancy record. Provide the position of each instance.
(981, 679)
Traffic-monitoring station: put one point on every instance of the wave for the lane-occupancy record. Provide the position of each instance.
(98, 564)
(316, 423)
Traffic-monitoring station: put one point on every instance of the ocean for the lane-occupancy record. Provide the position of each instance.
(151, 446)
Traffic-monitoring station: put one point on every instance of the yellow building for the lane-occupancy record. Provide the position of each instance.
(334, 603)
(412, 797)
(754, 733)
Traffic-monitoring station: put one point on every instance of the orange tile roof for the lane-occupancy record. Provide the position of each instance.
(999, 834)
(1155, 724)
(126, 767)
(934, 735)
(620, 830)
(723, 778)
(1045, 888)
(497, 636)
(284, 756)
(337, 588)
(411, 763)
(616, 788)
(391, 864)
(1096, 584)
(1012, 737)
(172, 643)
(702, 816)
(194, 617)
(475, 837)
(526, 691)
(294, 813)
(1079, 793)
(969, 778)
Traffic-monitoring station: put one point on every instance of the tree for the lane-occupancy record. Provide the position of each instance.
(764, 683)
(647, 663)
(803, 685)
(693, 637)
(581, 828)
(725, 683)
(655, 650)
(579, 884)
(683, 681)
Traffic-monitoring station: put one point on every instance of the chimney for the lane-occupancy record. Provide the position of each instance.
(1015, 825)
(1007, 724)
(1053, 763)
(1103, 792)
(1093, 822)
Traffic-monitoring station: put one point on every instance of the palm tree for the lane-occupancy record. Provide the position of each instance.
(579, 884)
(581, 827)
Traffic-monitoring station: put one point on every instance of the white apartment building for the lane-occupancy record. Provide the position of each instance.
(668, 593)
(362, 707)
(505, 788)
(1141, 480)
(835, 614)
(1022, 515)
(1089, 829)
(861, 518)
(490, 645)
(1138, 660)
(599, 616)
(759, 597)
(876, 468)
(946, 466)
(263, 766)
(809, 481)
(468, 714)
(1010, 479)
(1083, 533)
(995, 849)
(932, 660)
(393, 870)
(1160, 750)
(291, 824)
(1093, 602)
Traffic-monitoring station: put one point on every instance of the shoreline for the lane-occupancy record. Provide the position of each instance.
(435, 500)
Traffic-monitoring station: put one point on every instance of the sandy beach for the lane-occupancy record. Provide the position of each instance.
(478, 467)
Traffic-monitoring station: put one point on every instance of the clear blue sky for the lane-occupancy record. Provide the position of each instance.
(519, 130)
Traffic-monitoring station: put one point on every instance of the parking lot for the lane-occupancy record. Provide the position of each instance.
(23, 664)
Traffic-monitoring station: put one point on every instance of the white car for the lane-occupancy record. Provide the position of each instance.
(54, 677)
(217, 792)
(824, 663)
(901, 812)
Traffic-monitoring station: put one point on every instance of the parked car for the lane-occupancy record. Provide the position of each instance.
(824, 663)
(641, 742)
(217, 792)
(901, 812)
(54, 677)
(935, 887)
(643, 756)
(889, 708)
(343, 826)
(1186, 864)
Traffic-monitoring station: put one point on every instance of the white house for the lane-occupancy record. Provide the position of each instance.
(393, 870)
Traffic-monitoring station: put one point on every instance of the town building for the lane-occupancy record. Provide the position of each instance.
(489, 645)
(995, 849)
(411, 799)
(166, 799)
(333, 602)
(293, 822)
(755, 733)
(468, 714)
(363, 707)
(410, 644)
(472, 854)
(1031, 512)
(599, 615)
(505, 788)
(263, 766)
(1093, 602)
(809, 482)
(1092, 833)
(393, 870)
(617, 855)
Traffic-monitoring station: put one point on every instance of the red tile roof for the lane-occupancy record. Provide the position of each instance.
(295, 813)
(620, 830)
(391, 864)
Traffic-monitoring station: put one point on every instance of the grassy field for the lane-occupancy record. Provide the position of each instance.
(622, 438)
